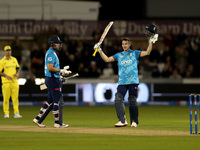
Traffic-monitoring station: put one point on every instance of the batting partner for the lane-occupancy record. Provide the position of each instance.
(9, 71)
(128, 76)
(53, 82)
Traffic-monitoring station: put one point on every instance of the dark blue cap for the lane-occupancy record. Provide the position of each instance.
(54, 39)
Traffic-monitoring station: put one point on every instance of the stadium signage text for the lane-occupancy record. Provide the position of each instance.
(75, 28)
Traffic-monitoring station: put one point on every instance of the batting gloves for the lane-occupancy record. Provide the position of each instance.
(62, 79)
(153, 39)
(97, 46)
(65, 71)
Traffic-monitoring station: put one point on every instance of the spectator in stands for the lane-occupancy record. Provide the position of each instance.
(94, 72)
(190, 72)
(72, 63)
(155, 72)
(37, 62)
(44, 48)
(86, 58)
(167, 70)
(170, 62)
(167, 53)
(63, 55)
(194, 58)
(181, 56)
(80, 47)
(113, 49)
(169, 39)
(181, 70)
(147, 67)
(155, 55)
(24, 70)
(96, 34)
(83, 72)
(180, 38)
(72, 46)
(175, 75)
(17, 47)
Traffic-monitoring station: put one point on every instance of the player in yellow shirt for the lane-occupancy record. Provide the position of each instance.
(9, 71)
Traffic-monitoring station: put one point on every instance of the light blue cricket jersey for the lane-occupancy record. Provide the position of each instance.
(128, 66)
(51, 58)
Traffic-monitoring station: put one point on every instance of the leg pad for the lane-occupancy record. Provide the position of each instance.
(119, 106)
(133, 109)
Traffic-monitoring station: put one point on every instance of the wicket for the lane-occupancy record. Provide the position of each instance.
(195, 111)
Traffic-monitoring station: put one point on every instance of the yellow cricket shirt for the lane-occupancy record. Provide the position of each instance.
(9, 67)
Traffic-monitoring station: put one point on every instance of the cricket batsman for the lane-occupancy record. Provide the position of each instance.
(9, 71)
(54, 86)
(128, 75)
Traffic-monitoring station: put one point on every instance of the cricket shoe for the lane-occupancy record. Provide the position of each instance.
(6, 116)
(120, 124)
(64, 125)
(134, 124)
(39, 124)
(17, 115)
(56, 125)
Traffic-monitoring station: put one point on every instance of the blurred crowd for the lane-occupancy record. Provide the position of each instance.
(179, 58)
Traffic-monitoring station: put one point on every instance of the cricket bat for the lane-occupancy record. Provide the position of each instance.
(103, 35)
(44, 87)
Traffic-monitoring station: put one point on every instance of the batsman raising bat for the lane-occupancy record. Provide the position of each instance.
(128, 75)
(53, 83)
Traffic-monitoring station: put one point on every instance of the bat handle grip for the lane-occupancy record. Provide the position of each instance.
(94, 54)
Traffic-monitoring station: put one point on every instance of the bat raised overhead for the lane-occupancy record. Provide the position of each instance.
(103, 35)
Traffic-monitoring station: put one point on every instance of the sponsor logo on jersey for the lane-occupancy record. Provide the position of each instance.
(126, 61)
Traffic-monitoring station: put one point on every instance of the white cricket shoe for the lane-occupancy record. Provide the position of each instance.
(120, 124)
(39, 124)
(17, 115)
(134, 124)
(64, 125)
(6, 116)
(56, 125)
(126, 122)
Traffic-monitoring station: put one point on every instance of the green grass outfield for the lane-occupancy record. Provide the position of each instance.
(161, 120)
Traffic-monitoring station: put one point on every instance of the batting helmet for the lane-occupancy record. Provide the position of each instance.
(150, 30)
(54, 39)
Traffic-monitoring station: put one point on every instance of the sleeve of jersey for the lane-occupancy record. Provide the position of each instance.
(138, 53)
(115, 57)
(50, 58)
